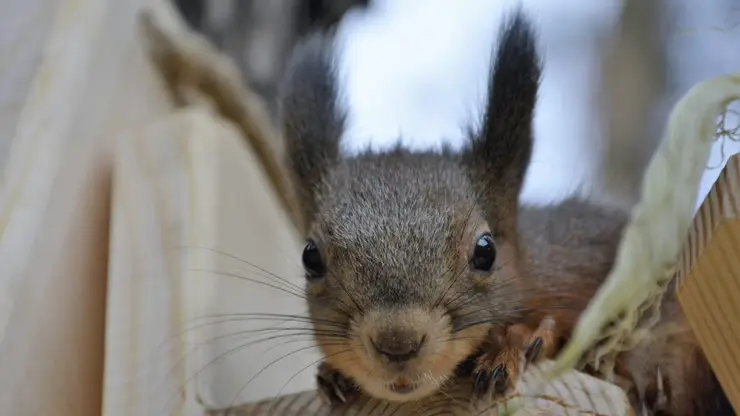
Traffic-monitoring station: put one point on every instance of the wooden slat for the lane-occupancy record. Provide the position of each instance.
(709, 278)
(24, 28)
(54, 210)
(573, 393)
(146, 362)
(721, 203)
(190, 206)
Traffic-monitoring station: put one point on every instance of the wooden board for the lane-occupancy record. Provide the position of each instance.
(709, 278)
(190, 201)
(574, 393)
(24, 28)
(54, 206)
(145, 372)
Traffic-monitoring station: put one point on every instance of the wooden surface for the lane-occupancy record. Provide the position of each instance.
(709, 278)
(152, 213)
(243, 257)
(186, 212)
(24, 27)
(574, 393)
(244, 233)
(54, 210)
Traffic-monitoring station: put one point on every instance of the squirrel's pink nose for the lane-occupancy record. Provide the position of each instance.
(398, 345)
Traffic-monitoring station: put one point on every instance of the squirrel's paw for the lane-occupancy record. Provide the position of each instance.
(498, 369)
(334, 388)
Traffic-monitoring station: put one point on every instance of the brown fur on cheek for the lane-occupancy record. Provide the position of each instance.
(344, 356)
(316, 289)
(510, 287)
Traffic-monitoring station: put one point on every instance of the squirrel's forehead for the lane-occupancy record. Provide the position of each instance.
(390, 249)
(395, 199)
(408, 175)
(394, 204)
(395, 218)
(406, 229)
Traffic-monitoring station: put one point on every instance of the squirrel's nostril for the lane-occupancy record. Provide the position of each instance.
(398, 346)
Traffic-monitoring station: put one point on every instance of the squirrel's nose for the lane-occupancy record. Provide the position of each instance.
(398, 346)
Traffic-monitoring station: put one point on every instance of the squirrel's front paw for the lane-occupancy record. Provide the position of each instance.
(498, 369)
(334, 388)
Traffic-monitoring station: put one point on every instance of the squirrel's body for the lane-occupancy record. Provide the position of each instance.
(570, 248)
(416, 262)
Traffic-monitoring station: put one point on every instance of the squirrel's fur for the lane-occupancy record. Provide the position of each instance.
(396, 230)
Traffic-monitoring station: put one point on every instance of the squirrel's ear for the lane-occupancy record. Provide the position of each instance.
(498, 154)
(311, 117)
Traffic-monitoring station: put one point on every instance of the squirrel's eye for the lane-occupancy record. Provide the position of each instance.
(484, 255)
(312, 261)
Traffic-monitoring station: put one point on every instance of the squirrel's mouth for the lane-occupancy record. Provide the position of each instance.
(402, 386)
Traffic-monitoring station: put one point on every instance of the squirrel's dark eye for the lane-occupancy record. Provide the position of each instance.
(484, 255)
(312, 261)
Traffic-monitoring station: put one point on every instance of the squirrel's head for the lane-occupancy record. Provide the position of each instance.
(410, 257)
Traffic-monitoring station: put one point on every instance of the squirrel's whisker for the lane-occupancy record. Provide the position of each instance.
(245, 262)
(289, 290)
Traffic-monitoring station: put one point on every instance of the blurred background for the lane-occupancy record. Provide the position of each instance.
(415, 69)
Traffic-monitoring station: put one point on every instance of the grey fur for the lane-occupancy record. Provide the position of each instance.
(498, 157)
(312, 118)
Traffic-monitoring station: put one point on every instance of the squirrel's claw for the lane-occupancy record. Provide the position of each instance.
(496, 371)
(534, 349)
(491, 381)
(498, 368)
(542, 343)
(334, 388)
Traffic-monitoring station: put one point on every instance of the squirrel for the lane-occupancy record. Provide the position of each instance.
(423, 266)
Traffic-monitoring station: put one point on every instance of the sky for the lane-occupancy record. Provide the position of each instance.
(416, 70)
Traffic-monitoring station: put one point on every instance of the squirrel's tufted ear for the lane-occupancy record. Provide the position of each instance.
(498, 155)
(311, 117)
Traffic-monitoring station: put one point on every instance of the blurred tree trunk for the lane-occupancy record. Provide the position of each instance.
(192, 11)
(260, 34)
(635, 76)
